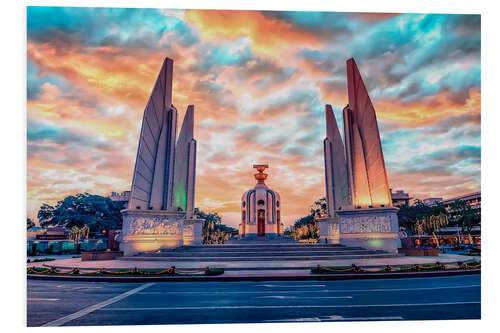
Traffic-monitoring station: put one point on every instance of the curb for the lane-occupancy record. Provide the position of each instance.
(232, 269)
(317, 277)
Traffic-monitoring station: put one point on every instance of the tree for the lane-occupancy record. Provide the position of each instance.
(429, 223)
(306, 227)
(464, 215)
(29, 223)
(408, 215)
(210, 217)
(83, 209)
(319, 208)
(214, 232)
(46, 215)
(304, 220)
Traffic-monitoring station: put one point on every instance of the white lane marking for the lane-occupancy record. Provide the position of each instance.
(43, 299)
(299, 297)
(285, 306)
(301, 320)
(297, 291)
(92, 308)
(290, 285)
(336, 318)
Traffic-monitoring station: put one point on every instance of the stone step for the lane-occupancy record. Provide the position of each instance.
(243, 254)
(260, 258)
(261, 239)
(260, 249)
(271, 243)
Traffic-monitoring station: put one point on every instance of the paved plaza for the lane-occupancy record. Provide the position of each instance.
(253, 265)
(241, 259)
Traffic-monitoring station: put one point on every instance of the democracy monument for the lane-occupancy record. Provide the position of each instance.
(260, 209)
(160, 212)
(360, 211)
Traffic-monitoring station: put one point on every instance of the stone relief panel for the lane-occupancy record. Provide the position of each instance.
(152, 226)
(365, 224)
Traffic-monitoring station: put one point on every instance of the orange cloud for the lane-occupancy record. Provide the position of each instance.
(53, 105)
(269, 36)
(427, 111)
(105, 72)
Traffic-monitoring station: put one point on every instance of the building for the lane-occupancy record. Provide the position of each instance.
(432, 201)
(400, 198)
(34, 231)
(124, 196)
(121, 197)
(260, 209)
(473, 199)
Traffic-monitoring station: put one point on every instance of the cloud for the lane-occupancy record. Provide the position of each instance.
(375, 16)
(267, 35)
(450, 123)
(259, 82)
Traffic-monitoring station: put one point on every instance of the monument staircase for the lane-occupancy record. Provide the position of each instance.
(261, 250)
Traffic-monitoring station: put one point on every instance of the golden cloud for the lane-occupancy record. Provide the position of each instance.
(268, 36)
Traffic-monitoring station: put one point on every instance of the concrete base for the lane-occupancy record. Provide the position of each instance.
(370, 228)
(329, 230)
(150, 230)
(418, 252)
(101, 255)
(271, 235)
(193, 232)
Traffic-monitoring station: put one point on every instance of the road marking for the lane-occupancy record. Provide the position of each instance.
(84, 288)
(290, 285)
(299, 297)
(92, 308)
(43, 299)
(286, 306)
(299, 291)
(335, 318)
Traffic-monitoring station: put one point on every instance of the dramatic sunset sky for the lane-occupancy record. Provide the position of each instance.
(259, 82)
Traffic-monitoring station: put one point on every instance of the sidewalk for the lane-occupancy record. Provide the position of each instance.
(288, 266)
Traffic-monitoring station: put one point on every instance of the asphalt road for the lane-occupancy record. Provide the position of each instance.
(56, 303)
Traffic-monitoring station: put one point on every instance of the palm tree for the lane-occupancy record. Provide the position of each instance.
(465, 216)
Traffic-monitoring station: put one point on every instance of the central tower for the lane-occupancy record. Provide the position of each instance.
(260, 209)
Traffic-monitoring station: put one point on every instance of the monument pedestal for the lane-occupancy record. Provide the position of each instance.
(150, 230)
(329, 230)
(193, 232)
(370, 228)
(153, 230)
